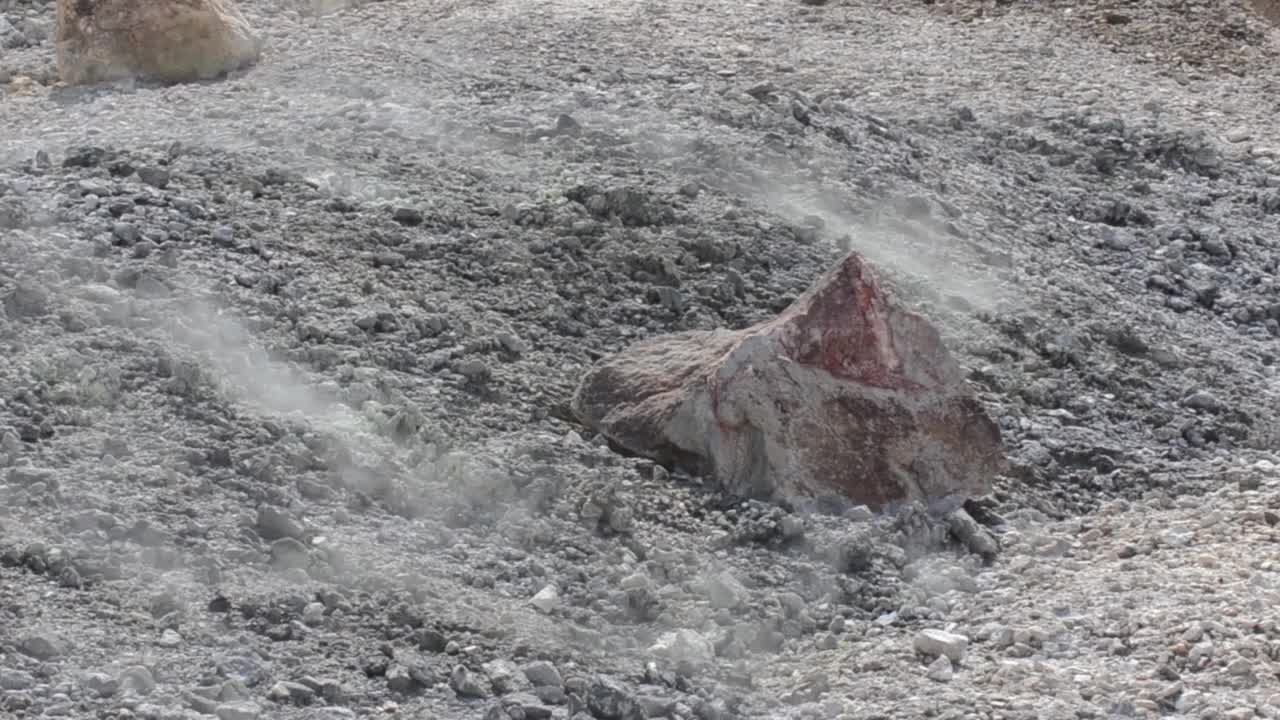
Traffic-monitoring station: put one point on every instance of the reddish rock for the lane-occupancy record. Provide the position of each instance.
(843, 394)
(169, 41)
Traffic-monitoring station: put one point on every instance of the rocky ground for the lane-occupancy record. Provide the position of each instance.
(287, 357)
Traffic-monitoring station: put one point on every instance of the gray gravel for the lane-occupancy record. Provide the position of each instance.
(287, 357)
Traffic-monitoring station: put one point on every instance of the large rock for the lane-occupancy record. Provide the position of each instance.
(845, 395)
(162, 40)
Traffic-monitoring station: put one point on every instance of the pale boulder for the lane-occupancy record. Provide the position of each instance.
(934, 643)
(168, 41)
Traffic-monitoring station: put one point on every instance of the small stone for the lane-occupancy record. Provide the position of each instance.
(1240, 666)
(1248, 481)
(138, 679)
(1238, 135)
(547, 599)
(291, 692)
(169, 639)
(154, 176)
(941, 670)
(513, 343)
(398, 679)
(541, 673)
(1203, 400)
(634, 581)
(859, 513)
(100, 684)
(26, 301)
(224, 235)
(410, 217)
(940, 642)
(125, 233)
(684, 647)
(608, 700)
(975, 537)
(504, 676)
(313, 614)
(288, 553)
(274, 524)
(238, 711)
(42, 646)
(16, 680)
(389, 259)
(467, 684)
(84, 156)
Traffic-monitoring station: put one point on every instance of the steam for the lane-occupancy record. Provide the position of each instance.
(910, 249)
(252, 376)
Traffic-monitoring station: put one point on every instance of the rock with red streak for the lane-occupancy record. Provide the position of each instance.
(845, 395)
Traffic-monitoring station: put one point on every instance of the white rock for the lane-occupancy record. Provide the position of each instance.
(546, 599)
(687, 646)
(941, 670)
(1238, 135)
(169, 639)
(238, 711)
(940, 642)
(313, 614)
(100, 294)
(635, 581)
(859, 513)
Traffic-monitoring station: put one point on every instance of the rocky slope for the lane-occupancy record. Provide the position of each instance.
(287, 359)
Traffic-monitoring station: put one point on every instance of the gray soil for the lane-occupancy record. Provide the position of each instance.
(286, 360)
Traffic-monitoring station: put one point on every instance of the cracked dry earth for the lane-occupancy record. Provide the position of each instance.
(287, 357)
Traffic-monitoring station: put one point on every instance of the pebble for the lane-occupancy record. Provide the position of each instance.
(42, 646)
(504, 676)
(154, 176)
(313, 614)
(684, 647)
(238, 711)
(546, 599)
(1238, 135)
(138, 679)
(941, 669)
(16, 680)
(285, 691)
(541, 673)
(398, 679)
(932, 642)
(274, 524)
(169, 639)
(607, 699)
(100, 684)
(467, 683)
